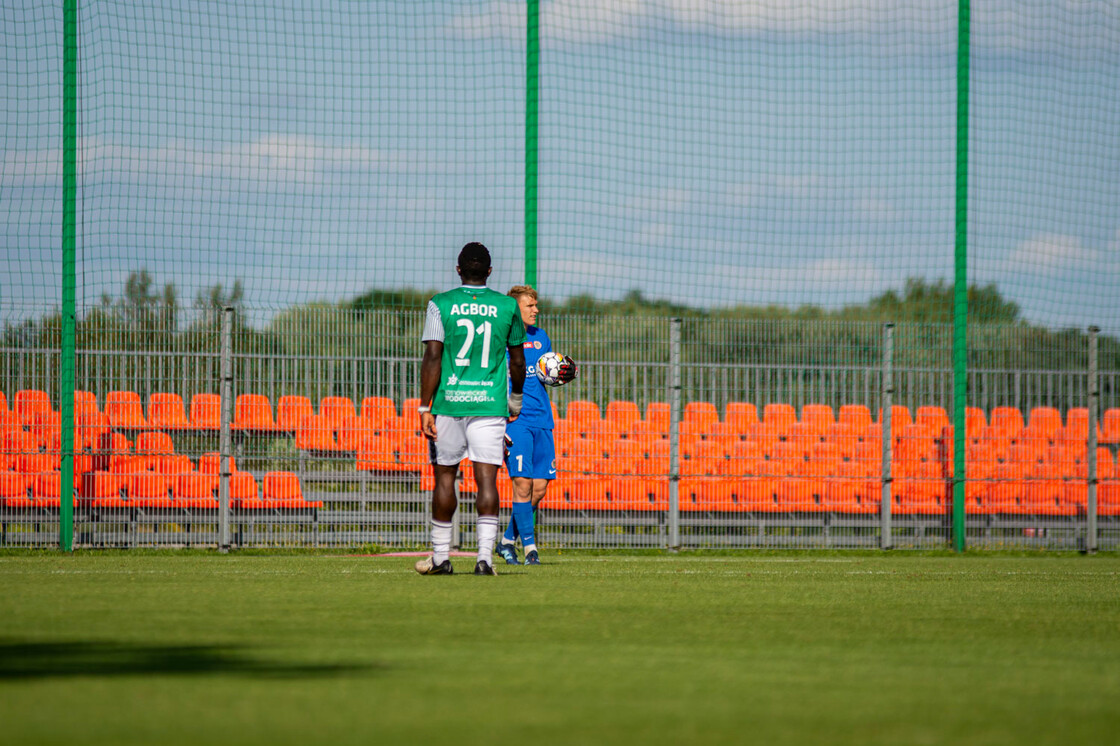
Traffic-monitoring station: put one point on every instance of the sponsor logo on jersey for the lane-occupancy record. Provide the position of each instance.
(474, 309)
(452, 380)
(469, 397)
(529, 345)
(537, 345)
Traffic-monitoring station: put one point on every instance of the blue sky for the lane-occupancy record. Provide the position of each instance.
(714, 153)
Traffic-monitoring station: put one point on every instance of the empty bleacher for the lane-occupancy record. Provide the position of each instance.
(340, 456)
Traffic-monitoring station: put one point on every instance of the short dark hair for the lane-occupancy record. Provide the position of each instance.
(474, 261)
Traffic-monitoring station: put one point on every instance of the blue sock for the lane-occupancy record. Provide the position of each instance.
(523, 514)
(510, 536)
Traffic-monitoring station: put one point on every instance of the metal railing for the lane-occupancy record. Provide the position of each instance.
(374, 506)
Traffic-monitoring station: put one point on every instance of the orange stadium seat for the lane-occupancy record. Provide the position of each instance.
(30, 402)
(15, 489)
(1110, 426)
(1108, 489)
(210, 463)
(281, 490)
(647, 432)
(658, 413)
(856, 415)
(154, 444)
(90, 428)
(125, 410)
(9, 421)
(336, 408)
(975, 423)
(818, 416)
(378, 410)
(46, 429)
(723, 432)
(148, 489)
(623, 456)
(1077, 425)
(242, 488)
(315, 434)
(765, 435)
(410, 411)
(350, 432)
(195, 490)
(1008, 420)
(167, 412)
(741, 415)
(252, 413)
(582, 412)
(290, 411)
(46, 489)
(919, 488)
(604, 431)
(206, 412)
(85, 404)
(412, 448)
(624, 413)
(702, 412)
(375, 453)
(171, 464)
(779, 415)
(844, 436)
(915, 442)
(1046, 420)
(933, 417)
(804, 436)
(900, 417)
(856, 488)
(3, 404)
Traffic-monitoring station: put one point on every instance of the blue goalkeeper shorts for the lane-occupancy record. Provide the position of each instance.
(533, 453)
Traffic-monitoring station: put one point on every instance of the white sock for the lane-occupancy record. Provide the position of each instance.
(487, 533)
(530, 548)
(441, 541)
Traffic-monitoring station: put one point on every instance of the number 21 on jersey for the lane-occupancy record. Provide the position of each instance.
(462, 357)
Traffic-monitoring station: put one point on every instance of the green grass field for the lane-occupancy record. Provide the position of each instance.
(762, 648)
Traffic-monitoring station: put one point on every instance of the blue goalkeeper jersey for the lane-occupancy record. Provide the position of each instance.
(536, 409)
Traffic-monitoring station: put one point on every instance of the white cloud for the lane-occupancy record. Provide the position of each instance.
(30, 168)
(597, 21)
(1001, 24)
(1050, 252)
(285, 158)
(273, 158)
(669, 199)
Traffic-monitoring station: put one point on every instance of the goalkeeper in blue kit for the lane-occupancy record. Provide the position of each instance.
(531, 460)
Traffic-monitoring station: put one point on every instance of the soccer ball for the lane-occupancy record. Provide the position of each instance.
(548, 368)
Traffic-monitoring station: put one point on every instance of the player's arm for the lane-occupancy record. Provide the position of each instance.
(516, 379)
(430, 370)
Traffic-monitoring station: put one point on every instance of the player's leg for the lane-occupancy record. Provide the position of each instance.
(519, 461)
(485, 444)
(544, 468)
(446, 452)
(521, 516)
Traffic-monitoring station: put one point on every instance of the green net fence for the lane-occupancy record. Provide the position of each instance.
(781, 176)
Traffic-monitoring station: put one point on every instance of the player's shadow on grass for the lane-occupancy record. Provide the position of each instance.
(34, 660)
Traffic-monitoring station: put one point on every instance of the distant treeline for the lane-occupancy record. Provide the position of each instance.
(387, 323)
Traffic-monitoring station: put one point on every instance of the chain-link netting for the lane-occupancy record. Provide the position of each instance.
(780, 176)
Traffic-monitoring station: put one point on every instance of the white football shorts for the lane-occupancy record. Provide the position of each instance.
(480, 439)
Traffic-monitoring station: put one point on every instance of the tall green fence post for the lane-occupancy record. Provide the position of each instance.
(532, 80)
(69, 242)
(960, 282)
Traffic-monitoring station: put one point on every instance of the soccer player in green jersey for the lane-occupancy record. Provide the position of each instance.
(464, 404)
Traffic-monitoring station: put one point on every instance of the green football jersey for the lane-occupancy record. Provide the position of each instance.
(478, 325)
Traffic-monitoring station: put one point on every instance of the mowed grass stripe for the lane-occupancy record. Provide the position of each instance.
(721, 649)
